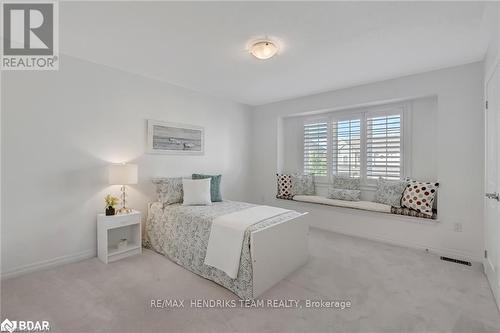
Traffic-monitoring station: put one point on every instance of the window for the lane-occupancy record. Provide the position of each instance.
(316, 148)
(364, 143)
(346, 142)
(383, 147)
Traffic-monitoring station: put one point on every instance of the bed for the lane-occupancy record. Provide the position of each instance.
(271, 250)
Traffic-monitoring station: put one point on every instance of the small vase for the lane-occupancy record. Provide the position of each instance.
(110, 210)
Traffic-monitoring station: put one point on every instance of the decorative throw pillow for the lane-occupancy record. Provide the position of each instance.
(302, 184)
(410, 212)
(196, 192)
(284, 186)
(419, 196)
(347, 183)
(168, 190)
(389, 192)
(215, 194)
(343, 194)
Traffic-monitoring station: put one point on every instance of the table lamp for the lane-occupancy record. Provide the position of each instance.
(123, 174)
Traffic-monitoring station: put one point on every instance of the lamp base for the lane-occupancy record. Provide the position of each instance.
(124, 210)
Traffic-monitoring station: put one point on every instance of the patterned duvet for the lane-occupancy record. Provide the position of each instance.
(181, 233)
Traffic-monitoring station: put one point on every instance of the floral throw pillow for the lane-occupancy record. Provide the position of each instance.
(343, 194)
(347, 183)
(419, 196)
(389, 192)
(284, 186)
(169, 190)
(302, 184)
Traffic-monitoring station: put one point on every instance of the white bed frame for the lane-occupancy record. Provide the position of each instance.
(277, 251)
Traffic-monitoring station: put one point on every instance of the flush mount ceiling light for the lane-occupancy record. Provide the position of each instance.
(264, 49)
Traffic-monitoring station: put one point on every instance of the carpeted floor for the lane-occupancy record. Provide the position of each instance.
(392, 289)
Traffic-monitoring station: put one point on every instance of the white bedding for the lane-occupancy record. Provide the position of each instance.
(227, 233)
(181, 233)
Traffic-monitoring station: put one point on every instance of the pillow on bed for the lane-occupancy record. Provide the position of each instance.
(168, 190)
(215, 195)
(196, 192)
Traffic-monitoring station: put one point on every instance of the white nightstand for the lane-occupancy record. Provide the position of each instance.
(110, 229)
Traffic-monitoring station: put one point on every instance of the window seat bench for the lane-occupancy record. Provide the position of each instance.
(362, 205)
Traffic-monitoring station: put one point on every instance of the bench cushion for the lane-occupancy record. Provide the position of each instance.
(364, 205)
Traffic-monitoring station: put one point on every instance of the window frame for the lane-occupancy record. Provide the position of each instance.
(363, 113)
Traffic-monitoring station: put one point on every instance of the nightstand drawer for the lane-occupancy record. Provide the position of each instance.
(116, 221)
(121, 223)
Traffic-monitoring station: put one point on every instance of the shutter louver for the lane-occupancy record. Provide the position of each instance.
(346, 137)
(316, 148)
(383, 147)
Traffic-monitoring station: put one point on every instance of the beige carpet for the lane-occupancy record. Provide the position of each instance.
(392, 289)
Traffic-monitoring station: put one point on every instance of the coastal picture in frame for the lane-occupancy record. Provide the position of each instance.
(172, 138)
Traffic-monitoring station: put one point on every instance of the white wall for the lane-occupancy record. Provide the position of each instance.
(459, 158)
(493, 53)
(61, 129)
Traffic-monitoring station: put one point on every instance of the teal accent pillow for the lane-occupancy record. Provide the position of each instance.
(214, 185)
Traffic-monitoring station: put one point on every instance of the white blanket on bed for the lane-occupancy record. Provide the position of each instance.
(227, 233)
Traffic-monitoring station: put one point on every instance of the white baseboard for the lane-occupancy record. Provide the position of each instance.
(438, 251)
(44, 264)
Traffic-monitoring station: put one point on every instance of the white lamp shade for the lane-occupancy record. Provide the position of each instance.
(122, 174)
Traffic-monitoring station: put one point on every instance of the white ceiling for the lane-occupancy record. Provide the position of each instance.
(326, 46)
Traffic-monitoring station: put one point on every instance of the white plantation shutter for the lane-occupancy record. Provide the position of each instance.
(316, 148)
(346, 144)
(365, 143)
(383, 146)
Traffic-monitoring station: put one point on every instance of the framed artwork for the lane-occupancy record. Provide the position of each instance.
(172, 138)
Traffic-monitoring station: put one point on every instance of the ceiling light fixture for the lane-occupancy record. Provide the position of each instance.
(264, 49)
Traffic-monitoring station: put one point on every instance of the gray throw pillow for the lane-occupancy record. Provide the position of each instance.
(389, 192)
(343, 194)
(347, 183)
(302, 184)
(168, 190)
